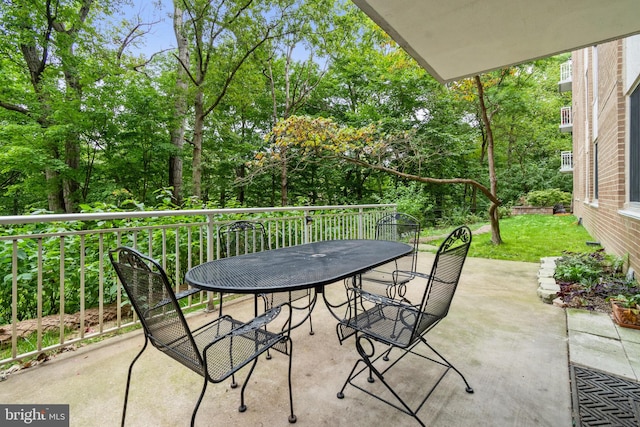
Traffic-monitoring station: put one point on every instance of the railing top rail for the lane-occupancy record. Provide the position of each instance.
(96, 231)
(96, 216)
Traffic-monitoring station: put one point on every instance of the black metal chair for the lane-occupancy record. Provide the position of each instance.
(216, 350)
(385, 279)
(243, 237)
(380, 320)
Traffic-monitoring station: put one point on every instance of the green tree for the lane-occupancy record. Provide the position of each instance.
(56, 68)
(52, 38)
(221, 36)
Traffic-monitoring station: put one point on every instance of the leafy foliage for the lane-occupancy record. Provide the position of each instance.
(627, 300)
(551, 197)
(589, 280)
(81, 273)
(114, 129)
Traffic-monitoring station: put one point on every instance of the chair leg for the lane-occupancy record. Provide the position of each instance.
(195, 410)
(468, 388)
(126, 393)
(310, 323)
(243, 407)
(367, 359)
(364, 358)
(292, 417)
(340, 394)
(233, 384)
(386, 354)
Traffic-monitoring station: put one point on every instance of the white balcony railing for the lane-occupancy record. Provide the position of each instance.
(566, 119)
(565, 83)
(59, 287)
(566, 161)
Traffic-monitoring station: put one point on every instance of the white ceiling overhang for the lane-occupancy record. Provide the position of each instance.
(453, 39)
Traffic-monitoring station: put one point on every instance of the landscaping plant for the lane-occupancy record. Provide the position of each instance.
(590, 280)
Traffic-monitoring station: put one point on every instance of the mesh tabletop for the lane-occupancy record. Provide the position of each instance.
(295, 267)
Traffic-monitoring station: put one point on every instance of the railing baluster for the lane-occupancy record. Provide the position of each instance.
(189, 255)
(14, 301)
(177, 280)
(40, 285)
(119, 287)
(62, 296)
(82, 285)
(101, 282)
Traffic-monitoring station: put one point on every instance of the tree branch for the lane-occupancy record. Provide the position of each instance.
(429, 180)
(13, 107)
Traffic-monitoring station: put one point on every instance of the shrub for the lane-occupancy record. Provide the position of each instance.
(504, 211)
(551, 197)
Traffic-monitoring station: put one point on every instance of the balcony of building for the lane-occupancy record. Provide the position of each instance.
(566, 79)
(566, 162)
(566, 119)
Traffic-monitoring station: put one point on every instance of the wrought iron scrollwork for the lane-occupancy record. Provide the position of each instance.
(459, 236)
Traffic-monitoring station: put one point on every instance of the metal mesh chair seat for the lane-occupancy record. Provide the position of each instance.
(216, 350)
(389, 323)
(227, 345)
(398, 324)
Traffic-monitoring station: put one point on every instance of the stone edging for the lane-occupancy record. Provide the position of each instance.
(547, 287)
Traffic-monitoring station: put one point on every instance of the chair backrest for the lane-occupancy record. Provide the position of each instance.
(401, 227)
(242, 237)
(444, 277)
(154, 301)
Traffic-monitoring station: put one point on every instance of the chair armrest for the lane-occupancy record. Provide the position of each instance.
(377, 298)
(187, 292)
(403, 277)
(257, 322)
(178, 296)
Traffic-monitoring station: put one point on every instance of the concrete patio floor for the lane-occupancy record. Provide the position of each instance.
(512, 348)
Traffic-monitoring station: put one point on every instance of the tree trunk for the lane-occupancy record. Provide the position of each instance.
(284, 200)
(493, 209)
(210, 33)
(70, 185)
(240, 174)
(53, 194)
(198, 129)
(180, 107)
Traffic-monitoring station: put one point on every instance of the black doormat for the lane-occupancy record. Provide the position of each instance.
(601, 399)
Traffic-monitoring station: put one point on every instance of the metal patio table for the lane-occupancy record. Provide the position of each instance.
(311, 265)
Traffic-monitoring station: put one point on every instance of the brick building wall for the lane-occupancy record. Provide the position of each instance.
(600, 114)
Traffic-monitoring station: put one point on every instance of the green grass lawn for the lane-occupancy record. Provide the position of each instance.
(531, 237)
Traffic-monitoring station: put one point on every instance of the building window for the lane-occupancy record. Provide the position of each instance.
(634, 147)
(594, 88)
(595, 171)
